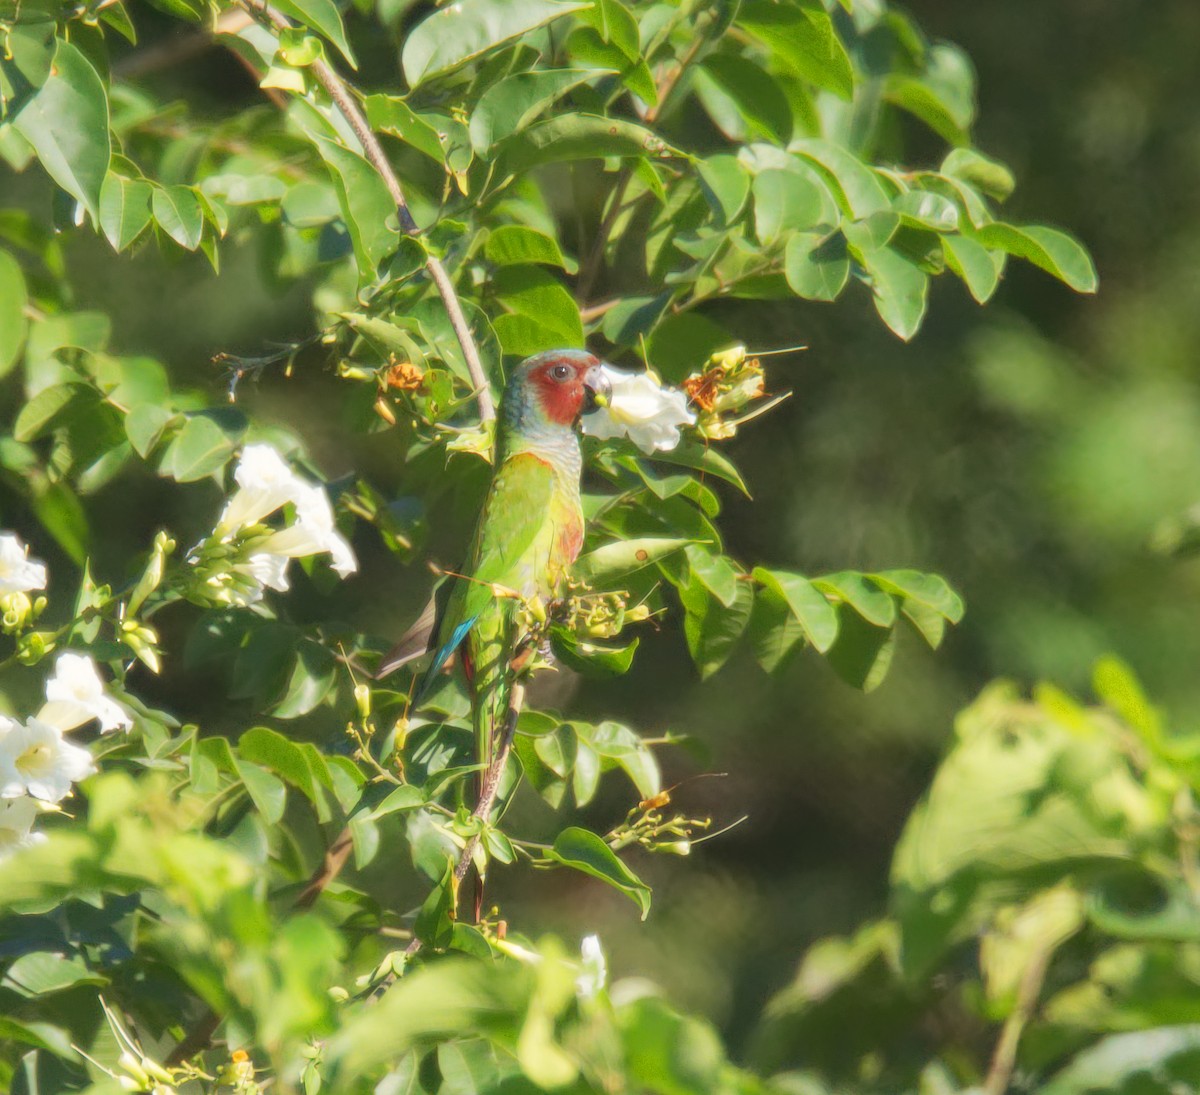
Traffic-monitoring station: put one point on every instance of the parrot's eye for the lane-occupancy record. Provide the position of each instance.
(560, 372)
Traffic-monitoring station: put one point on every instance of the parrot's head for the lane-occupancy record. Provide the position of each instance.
(554, 388)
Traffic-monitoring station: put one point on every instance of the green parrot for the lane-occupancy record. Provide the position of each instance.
(529, 532)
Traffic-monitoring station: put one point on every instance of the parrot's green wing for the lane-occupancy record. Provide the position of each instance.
(515, 522)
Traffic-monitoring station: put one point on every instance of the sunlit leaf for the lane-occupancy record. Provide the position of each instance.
(66, 121)
(586, 852)
(459, 32)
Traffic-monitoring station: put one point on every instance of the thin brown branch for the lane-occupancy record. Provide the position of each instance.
(487, 793)
(331, 866)
(345, 102)
(595, 311)
(1004, 1057)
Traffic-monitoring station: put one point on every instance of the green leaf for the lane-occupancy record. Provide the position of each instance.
(42, 973)
(616, 24)
(47, 410)
(546, 315)
(59, 510)
(817, 267)
(743, 98)
(1141, 907)
(1132, 1061)
(198, 450)
(926, 209)
(323, 17)
(586, 852)
(268, 793)
(985, 174)
(145, 425)
(620, 746)
(586, 46)
(942, 94)
(607, 564)
(812, 611)
(507, 107)
(389, 114)
(434, 925)
(725, 184)
(580, 137)
(66, 122)
(785, 201)
(715, 572)
(457, 33)
(367, 207)
(25, 62)
(978, 267)
(862, 654)
(273, 751)
(860, 593)
(802, 36)
(310, 682)
(591, 658)
(858, 188)
(899, 289)
(1116, 685)
(1056, 252)
(124, 209)
(681, 343)
(177, 210)
(311, 204)
(705, 459)
(930, 590)
(13, 298)
(1011, 803)
(712, 629)
(515, 245)
(774, 630)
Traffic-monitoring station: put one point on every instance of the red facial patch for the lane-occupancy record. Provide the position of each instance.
(561, 397)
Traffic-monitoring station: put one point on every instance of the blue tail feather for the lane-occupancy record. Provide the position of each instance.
(441, 657)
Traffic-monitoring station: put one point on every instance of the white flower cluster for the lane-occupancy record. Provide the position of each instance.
(18, 573)
(38, 765)
(19, 576)
(642, 409)
(266, 483)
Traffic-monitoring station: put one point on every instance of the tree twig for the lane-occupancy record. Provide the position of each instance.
(344, 100)
(1004, 1057)
(488, 792)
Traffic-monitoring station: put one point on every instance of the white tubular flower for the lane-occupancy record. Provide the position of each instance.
(17, 816)
(243, 584)
(265, 482)
(314, 533)
(75, 695)
(18, 573)
(36, 760)
(642, 409)
(593, 969)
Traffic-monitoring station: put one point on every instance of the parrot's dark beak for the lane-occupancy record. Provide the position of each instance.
(597, 389)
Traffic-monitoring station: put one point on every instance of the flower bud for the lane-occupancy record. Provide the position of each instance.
(133, 1066)
(156, 1071)
(34, 646)
(362, 698)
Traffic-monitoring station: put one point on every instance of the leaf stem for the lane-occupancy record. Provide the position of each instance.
(346, 105)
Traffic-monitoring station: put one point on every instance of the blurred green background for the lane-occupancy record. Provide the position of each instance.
(1029, 452)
